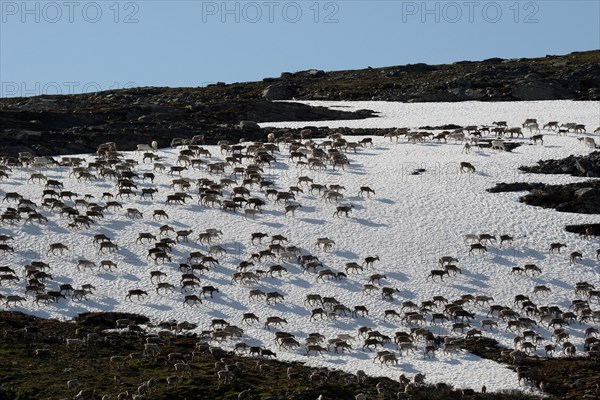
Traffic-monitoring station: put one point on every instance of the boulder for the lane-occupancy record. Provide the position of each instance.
(276, 92)
(583, 191)
(315, 73)
(538, 90)
(584, 166)
(248, 125)
(475, 94)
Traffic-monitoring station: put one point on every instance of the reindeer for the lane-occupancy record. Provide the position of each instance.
(290, 208)
(136, 292)
(354, 267)
(183, 235)
(360, 309)
(505, 238)
(108, 246)
(515, 131)
(367, 190)
(466, 167)
(552, 125)
(498, 145)
(541, 289)
(537, 138)
(164, 286)
(437, 272)
(376, 278)
(556, 247)
(145, 236)
(343, 210)
(57, 247)
(387, 293)
(274, 296)
(447, 260)
(574, 256)
(368, 262)
(477, 246)
(533, 268)
(275, 321)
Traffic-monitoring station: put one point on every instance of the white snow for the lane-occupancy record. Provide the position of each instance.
(410, 222)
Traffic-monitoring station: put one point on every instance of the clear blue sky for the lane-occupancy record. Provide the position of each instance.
(65, 46)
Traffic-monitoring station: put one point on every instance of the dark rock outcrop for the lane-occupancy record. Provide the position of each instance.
(277, 92)
(78, 124)
(515, 187)
(588, 166)
(584, 229)
(582, 197)
(108, 320)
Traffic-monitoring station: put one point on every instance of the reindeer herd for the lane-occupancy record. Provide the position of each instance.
(238, 179)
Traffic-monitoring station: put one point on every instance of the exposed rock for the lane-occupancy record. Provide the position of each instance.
(311, 73)
(278, 93)
(475, 94)
(108, 319)
(249, 125)
(584, 166)
(447, 127)
(588, 165)
(134, 116)
(539, 90)
(508, 145)
(316, 73)
(584, 192)
(581, 198)
(593, 229)
(515, 187)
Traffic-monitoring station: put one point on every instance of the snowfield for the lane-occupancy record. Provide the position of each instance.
(409, 222)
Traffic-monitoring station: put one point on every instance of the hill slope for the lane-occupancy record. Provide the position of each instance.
(410, 221)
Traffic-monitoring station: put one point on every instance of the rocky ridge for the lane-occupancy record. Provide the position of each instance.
(53, 125)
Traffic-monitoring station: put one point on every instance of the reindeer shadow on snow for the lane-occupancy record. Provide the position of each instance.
(229, 302)
(299, 282)
(218, 314)
(556, 282)
(313, 221)
(275, 225)
(158, 307)
(531, 253)
(55, 228)
(130, 277)
(405, 294)
(347, 254)
(107, 276)
(128, 257)
(288, 308)
(470, 276)
(385, 201)
(368, 223)
(398, 276)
